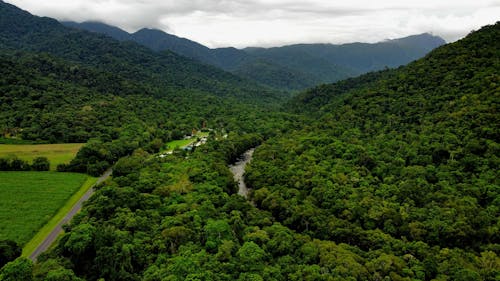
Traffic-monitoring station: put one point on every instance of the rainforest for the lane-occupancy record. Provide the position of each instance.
(380, 174)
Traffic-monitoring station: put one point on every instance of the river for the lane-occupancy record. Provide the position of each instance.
(238, 169)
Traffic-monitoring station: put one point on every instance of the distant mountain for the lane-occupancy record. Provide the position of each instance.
(158, 40)
(168, 71)
(59, 84)
(358, 58)
(99, 27)
(280, 67)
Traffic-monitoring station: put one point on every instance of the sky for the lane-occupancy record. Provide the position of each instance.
(265, 23)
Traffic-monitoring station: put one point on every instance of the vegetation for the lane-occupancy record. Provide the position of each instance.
(40, 155)
(28, 200)
(9, 251)
(389, 176)
(293, 67)
(400, 165)
(44, 231)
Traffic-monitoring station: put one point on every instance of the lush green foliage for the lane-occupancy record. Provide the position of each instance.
(163, 72)
(19, 269)
(389, 176)
(29, 199)
(121, 94)
(9, 251)
(402, 165)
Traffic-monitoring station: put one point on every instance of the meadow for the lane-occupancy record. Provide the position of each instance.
(28, 200)
(56, 153)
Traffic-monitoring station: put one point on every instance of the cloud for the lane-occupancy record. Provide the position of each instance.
(243, 23)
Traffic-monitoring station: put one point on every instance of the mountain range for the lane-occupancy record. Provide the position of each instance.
(391, 175)
(292, 67)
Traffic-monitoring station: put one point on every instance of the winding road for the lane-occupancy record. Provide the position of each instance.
(49, 240)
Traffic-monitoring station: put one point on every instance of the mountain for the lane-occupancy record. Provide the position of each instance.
(283, 67)
(158, 40)
(392, 175)
(99, 27)
(20, 30)
(355, 57)
(397, 163)
(58, 84)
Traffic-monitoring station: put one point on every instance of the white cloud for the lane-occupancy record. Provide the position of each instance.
(243, 23)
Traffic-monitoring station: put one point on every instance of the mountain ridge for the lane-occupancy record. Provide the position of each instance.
(21, 30)
(315, 63)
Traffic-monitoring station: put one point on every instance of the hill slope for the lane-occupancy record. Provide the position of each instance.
(22, 31)
(395, 159)
(62, 85)
(282, 67)
(378, 184)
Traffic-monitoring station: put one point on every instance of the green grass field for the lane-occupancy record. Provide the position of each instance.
(28, 200)
(180, 143)
(56, 153)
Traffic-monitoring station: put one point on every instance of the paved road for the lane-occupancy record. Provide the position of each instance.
(58, 229)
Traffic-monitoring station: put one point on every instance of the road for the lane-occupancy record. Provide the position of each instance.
(49, 240)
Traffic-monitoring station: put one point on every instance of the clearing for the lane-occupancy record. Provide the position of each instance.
(56, 153)
(184, 142)
(28, 200)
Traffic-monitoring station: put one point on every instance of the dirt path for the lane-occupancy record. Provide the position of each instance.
(58, 229)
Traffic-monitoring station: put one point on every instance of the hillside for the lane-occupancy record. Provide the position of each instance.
(391, 176)
(397, 163)
(282, 67)
(20, 30)
(61, 85)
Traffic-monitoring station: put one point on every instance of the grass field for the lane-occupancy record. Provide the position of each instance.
(180, 143)
(31, 246)
(28, 200)
(56, 153)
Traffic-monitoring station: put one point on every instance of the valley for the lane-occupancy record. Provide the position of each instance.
(385, 174)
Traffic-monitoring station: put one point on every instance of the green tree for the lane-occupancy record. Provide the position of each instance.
(9, 251)
(40, 164)
(19, 269)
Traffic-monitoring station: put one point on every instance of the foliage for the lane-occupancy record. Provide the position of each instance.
(401, 165)
(9, 251)
(389, 176)
(40, 164)
(19, 269)
(292, 67)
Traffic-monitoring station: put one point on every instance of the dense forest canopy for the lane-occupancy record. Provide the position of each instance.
(392, 175)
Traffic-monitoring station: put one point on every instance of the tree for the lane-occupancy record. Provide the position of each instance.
(9, 251)
(19, 269)
(40, 164)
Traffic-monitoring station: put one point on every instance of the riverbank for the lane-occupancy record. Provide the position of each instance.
(238, 170)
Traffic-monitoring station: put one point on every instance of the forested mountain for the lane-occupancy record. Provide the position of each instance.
(390, 176)
(393, 175)
(400, 166)
(289, 67)
(157, 40)
(62, 85)
(357, 57)
(20, 30)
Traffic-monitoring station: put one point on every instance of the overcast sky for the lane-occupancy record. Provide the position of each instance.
(242, 23)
